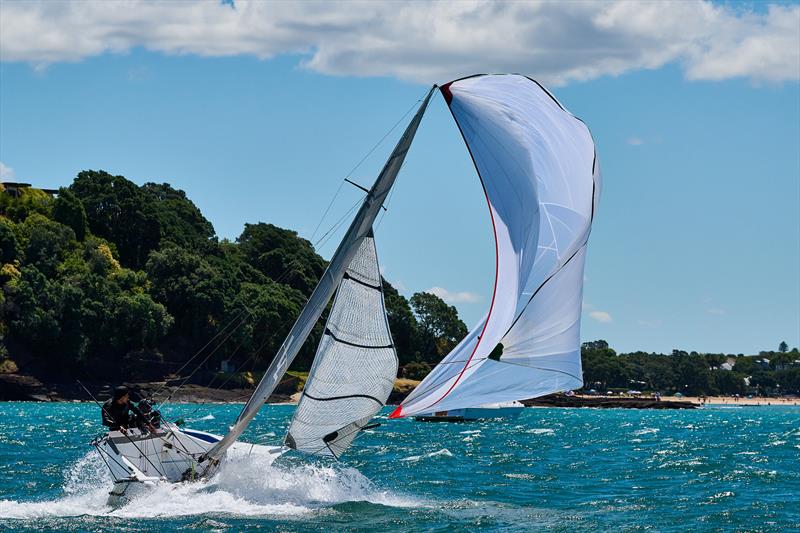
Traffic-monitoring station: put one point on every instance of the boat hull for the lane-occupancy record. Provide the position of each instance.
(139, 461)
(506, 410)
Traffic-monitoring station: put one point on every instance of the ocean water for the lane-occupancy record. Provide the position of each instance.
(715, 469)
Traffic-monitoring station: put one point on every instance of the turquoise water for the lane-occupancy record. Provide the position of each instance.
(716, 469)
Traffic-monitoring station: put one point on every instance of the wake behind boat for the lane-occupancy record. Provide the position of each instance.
(538, 167)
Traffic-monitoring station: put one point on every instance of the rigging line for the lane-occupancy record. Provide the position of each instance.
(322, 241)
(369, 153)
(327, 209)
(246, 361)
(101, 452)
(198, 352)
(230, 375)
(204, 361)
(410, 109)
(103, 409)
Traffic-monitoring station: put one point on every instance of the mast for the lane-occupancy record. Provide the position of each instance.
(359, 228)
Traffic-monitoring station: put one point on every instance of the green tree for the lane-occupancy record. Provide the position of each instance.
(138, 323)
(402, 323)
(179, 219)
(46, 242)
(282, 256)
(192, 291)
(783, 347)
(69, 210)
(117, 211)
(8, 242)
(439, 328)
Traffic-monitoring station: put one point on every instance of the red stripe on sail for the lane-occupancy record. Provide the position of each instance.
(491, 306)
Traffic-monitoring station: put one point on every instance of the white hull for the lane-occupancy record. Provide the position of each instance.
(140, 461)
(481, 412)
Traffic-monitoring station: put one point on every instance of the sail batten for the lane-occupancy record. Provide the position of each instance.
(537, 165)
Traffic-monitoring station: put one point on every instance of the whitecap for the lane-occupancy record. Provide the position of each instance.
(443, 452)
(245, 486)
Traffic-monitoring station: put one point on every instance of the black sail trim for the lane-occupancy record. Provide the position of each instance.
(364, 283)
(332, 398)
(366, 347)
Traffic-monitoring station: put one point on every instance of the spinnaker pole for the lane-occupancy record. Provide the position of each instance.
(358, 230)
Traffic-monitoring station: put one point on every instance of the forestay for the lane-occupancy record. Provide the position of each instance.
(355, 365)
(537, 164)
(359, 228)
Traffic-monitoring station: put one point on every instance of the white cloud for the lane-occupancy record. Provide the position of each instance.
(454, 297)
(555, 42)
(716, 311)
(635, 141)
(6, 172)
(601, 316)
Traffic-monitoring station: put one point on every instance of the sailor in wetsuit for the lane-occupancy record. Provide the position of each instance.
(148, 418)
(117, 411)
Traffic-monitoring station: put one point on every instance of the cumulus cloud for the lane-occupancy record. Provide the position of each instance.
(715, 311)
(601, 316)
(454, 297)
(6, 172)
(556, 42)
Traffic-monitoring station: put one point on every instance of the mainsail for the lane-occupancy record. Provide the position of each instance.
(355, 365)
(537, 164)
(341, 259)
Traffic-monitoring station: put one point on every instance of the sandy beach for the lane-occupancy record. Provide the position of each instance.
(722, 400)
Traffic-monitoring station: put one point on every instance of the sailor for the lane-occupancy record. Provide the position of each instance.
(148, 418)
(117, 410)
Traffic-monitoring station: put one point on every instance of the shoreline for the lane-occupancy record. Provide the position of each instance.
(23, 387)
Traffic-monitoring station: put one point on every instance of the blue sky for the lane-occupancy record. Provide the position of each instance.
(697, 240)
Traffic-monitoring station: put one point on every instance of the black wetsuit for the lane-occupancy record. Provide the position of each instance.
(116, 415)
(148, 418)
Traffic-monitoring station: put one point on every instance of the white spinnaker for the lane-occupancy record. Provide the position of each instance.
(537, 165)
(355, 365)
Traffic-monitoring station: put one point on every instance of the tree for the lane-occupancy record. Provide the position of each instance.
(282, 255)
(117, 211)
(69, 210)
(46, 242)
(8, 242)
(783, 347)
(439, 328)
(402, 323)
(192, 291)
(179, 219)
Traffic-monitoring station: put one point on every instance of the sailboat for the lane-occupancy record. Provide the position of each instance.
(538, 168)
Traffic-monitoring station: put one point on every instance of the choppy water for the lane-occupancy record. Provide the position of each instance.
(717, 469)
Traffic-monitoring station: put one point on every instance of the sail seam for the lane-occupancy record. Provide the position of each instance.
(364, 283)
(333, 398)
(551, 276)
(355, 345)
